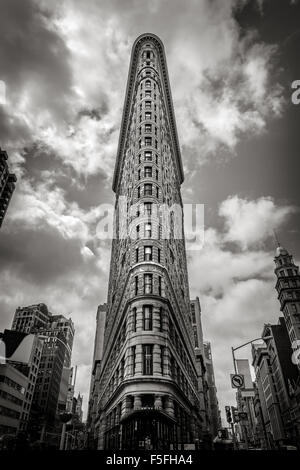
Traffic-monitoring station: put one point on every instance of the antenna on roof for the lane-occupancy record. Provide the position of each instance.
(276, 238)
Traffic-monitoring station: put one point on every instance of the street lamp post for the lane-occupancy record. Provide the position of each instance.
(242, 345)
(235, 370)
(44, 337)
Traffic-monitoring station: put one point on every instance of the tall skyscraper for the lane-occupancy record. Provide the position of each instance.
(148, 383)
(56, 333)
(92, 417)
(7, 184)
(31, 319)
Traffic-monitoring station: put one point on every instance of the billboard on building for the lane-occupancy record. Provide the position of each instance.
(16, 346)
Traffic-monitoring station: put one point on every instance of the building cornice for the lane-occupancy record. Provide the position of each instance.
(128, 102)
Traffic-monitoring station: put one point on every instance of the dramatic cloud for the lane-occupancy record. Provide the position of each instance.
(237, 288)
(67, 92)
(250, 222)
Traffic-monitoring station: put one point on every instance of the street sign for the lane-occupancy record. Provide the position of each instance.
(237, 380)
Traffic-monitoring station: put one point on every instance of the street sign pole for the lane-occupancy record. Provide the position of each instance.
(233, 437)
(245, 436)
(234, 363)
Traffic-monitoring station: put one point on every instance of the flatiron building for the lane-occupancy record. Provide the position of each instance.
(147, 396)
(7, 185)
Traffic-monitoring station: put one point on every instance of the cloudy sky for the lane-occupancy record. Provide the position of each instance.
(231, 67)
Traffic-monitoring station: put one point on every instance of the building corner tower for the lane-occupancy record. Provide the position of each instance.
(148, 393)
(288, 288)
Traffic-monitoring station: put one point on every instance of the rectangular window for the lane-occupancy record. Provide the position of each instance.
(136, 286)
(139, 174)
(147, 317)
(173, 368)
(148, 208)
(148, 283)
(148, 172)
(148, 128)
(122, 368)
(162, 352)
(161, 318)
(148, 156)
(148, 190)
(148, 230)
(147, 253)
(196, 337)
(147, 359)
(136, 255)
(193, 313)
(137, 232)
(132, 360)
(148, 141)
(148, 115)
(158, 255)
(148, 93)
(157, 192)
(134, 319)
(159, 232)
(159, 286)
(157, 175)
(147, 104)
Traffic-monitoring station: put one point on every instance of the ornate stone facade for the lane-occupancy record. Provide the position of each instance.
(148, 385)
(7, 184)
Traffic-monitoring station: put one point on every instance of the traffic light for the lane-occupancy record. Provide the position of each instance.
(228, 414)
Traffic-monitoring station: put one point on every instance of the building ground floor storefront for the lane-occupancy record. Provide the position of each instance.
(150, 430)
